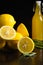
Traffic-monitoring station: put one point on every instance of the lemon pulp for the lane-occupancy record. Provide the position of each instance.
(25, 45)
(7, 32)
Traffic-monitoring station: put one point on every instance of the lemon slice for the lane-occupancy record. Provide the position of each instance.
(22, 29)
(7, 32)
(7, 19)
(2, 43)
(25, 45)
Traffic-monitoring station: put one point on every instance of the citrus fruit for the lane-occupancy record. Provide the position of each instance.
(22, 29)
(12, 44)
(7, 19)
(7, 32)
(25, 45)
(18, 36)
(2, 43)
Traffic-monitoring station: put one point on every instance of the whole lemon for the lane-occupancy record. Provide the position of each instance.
(7, 19)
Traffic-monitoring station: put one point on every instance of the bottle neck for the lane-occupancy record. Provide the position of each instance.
(38, 9)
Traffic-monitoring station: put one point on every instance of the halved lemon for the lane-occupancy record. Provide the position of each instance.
(7, 32)
(25, 45)
(2, 43)
(22, 29)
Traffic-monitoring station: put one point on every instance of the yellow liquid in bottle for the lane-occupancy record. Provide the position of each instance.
(37, 26)
(42, 28)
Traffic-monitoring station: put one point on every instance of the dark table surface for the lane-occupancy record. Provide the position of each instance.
(14, 57)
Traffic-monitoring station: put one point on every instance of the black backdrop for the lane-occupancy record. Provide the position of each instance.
(21, 10)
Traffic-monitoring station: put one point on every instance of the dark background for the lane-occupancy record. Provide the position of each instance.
(21, 10)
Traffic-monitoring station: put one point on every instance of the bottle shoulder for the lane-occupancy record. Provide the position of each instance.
(37, 17)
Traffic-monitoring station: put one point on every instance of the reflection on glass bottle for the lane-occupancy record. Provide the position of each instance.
(37, 23)
(42, 7)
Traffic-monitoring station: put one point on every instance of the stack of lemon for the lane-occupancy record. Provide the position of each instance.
(15, 38)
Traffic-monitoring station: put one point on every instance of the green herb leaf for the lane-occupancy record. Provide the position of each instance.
(30, 54)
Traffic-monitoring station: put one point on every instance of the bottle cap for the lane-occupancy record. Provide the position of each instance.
(38, 2)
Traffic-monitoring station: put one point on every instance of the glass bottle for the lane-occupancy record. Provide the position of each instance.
(42, 12)
(42, 7)
(37, 26)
